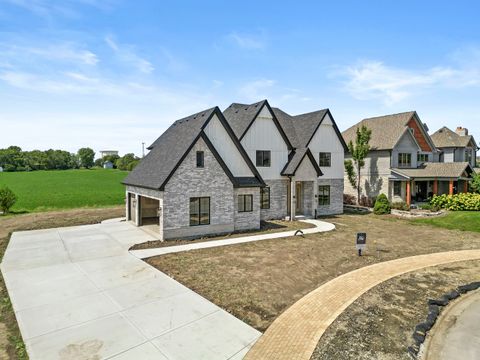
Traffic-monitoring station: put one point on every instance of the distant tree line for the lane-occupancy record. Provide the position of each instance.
(14, 158)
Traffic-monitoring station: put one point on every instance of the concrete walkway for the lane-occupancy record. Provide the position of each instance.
(78, 294)
(320, 226)
(456, 334)
(295, 333)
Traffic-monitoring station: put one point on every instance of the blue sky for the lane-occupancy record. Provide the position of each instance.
(114, 74)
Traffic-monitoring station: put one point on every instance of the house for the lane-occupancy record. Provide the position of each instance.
(108, 165)
(403, 162)
(104, 153)
(215, 172)
(455, 146)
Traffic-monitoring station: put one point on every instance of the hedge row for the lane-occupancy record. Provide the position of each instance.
(457, 202)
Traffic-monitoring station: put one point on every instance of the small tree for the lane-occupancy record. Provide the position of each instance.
(86, 156)
(7, 199)
(475, 184)
(382, 205)
(359, 151)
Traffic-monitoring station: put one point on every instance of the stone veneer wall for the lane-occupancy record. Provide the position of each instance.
(189, 181)
(248, 220)
(308, 198)
(336, 197)
(278, 200)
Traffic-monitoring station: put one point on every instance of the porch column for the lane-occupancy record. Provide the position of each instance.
(435, 187)
(409, 193)
(138, 217)
(128, 216)
(465, 186)
(293, 198)
(450, 187)
(315, 197)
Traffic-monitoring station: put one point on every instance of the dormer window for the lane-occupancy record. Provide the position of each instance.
(404, 160)
(263, 158)
(422, 158)
(325, 159)
(200, 159)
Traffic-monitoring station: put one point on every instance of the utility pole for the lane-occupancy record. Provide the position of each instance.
(143, 149)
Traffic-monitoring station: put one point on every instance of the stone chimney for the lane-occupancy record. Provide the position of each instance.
(461, 131)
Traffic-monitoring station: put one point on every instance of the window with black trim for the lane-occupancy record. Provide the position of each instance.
(199, 211)
(263, 158)
(324, 195)
(200, 159)
(404, 160)
(265, 198)
(397, 188)
(421, 158)
(245, 203)
(325, 159)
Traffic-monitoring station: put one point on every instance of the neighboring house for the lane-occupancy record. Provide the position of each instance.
(1, 169)
(104, 153)
(215, 172)
(108, 165)
(455, 146)
(403, 161)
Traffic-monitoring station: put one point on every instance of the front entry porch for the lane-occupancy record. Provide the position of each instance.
(301, 199)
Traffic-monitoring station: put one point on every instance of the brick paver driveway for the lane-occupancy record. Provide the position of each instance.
(78, 294)
(295, 333)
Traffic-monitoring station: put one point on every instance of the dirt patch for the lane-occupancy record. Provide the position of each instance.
(379, 324)
(11, 343)
(271, 226)
(258, 281)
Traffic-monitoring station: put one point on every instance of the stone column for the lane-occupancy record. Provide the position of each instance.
(293, 199)
(128, 216)
(315, 197)
(138, 215)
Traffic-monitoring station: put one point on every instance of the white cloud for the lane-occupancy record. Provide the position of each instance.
(65, 8)
(375, 80)
(257, 89)
(248, 41)
(126, 54)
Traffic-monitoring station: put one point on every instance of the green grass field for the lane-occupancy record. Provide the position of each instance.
(455, 220)
(65, 189)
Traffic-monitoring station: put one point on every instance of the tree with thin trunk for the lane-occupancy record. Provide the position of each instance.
(359, 151)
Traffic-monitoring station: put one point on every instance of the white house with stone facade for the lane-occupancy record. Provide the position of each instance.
(214, 172)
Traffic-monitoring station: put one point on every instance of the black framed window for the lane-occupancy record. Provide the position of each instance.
(422, 158)
(245, 203)
(263, 158)
(265, 198)
(199, 211)
(397, 188)
(325, 159)
(200, 159)
(404, 160)
(324, 195)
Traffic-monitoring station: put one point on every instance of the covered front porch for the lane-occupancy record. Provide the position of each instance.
(421, 184)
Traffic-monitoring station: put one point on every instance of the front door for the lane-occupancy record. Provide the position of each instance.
(299, 198)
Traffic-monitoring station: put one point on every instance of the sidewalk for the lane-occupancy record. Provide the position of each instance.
(321, 226)
(295, 334)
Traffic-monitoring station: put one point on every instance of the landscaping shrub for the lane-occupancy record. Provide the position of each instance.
(382, 205)
(429, 207)
(349, 199)
(368, 202)
(7, 199)
(400, 205)
(457, 202)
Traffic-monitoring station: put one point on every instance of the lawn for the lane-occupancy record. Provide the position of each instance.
(455, 220)
(257, 281)
(65, 189)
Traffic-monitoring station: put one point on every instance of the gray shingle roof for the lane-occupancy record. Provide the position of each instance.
(167, 151)
(172, 146)
(386, 130)
(437, 170)
(295, 159)
(445, 137)
(240, 116)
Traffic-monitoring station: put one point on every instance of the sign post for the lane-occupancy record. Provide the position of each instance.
(361, 242)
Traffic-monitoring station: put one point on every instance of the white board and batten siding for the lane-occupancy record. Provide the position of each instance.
(225, 146)
(326, 140)
(263, 134)
(407, 145)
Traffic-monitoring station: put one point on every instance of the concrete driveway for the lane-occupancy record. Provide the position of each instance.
(78, 294)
